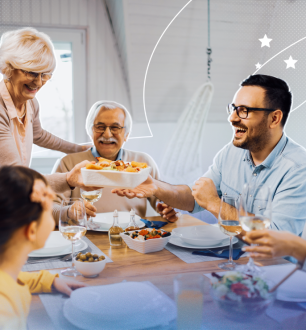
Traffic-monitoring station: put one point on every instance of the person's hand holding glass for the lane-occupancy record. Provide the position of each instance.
(72, 226)
(259, 200)
(229, 224)
(91, 197)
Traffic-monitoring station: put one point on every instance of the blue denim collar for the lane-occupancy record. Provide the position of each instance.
(95, 153)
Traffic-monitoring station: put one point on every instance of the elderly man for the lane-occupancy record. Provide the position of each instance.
(260, 153)
(109, 124)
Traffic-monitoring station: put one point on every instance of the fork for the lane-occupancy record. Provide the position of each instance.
(67, 257)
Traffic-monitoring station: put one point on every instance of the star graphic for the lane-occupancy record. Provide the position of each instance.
(265, 41)
(290, 62)
(258, 66)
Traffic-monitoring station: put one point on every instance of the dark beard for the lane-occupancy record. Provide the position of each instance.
(258, 142)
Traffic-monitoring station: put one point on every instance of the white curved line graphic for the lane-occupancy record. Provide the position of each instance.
(145, 77)
(277, 55)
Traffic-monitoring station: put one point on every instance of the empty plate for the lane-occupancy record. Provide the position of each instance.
(78, 246)
(178, 242)
(201, 235)
(55, 243)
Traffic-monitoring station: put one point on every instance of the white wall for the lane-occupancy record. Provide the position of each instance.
(105, 79)
(216, 135)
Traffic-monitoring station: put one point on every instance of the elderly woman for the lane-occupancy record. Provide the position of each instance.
(27, 62)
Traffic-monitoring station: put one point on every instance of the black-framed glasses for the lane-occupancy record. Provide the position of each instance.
(98, 128)
(33, 75)
(242, 111)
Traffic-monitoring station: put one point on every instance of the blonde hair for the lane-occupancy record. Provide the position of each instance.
(106, 105)
(26, 49)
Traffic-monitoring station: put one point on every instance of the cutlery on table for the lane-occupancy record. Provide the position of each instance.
(66, 257)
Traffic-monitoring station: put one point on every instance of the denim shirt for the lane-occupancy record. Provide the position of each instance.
(95, 153)
(284, 171)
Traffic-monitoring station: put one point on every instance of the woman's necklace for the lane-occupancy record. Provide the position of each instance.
(23, 113)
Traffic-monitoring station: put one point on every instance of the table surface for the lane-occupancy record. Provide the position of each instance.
(159, 267)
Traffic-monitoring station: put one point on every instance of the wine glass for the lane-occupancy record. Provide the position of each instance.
(255, 213)
(72, 226)
(228, 221)
(91, 197)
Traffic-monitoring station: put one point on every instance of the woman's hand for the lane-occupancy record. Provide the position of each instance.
(66, 286)
(167, 212)
(76, 209)
(275, 244)
(86, 147)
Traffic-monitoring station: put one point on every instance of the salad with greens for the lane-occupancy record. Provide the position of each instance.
(236, 286)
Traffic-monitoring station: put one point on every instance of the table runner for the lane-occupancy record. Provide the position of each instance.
(62, 264)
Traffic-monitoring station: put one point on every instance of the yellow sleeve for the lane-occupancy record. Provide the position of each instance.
(38, 282)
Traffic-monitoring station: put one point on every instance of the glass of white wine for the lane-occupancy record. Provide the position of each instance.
(91, 197)
(229, 224)
(255, 213)
(72, 226)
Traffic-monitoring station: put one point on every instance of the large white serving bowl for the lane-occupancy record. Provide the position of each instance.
(54, 244)
(200, 235)
(148, 246)
(114, 179)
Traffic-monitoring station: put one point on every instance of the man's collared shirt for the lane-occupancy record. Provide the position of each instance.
(95, 153)
(284, 171)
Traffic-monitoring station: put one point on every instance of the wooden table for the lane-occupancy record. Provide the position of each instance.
(159, 267)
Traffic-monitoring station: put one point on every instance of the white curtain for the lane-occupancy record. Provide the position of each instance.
(182, 161)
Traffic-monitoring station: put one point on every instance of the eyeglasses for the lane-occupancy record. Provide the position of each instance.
(243, 112)
(33, 75)
(102, 128)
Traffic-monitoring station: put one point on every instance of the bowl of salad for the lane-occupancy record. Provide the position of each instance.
(146, 240)
(241, 296)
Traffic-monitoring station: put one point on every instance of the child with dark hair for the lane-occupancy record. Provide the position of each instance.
(25, 224)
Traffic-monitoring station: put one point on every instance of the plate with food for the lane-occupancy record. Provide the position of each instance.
(146, 240)
(115, 174)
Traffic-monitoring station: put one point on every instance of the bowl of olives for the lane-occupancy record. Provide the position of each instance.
(89, 265)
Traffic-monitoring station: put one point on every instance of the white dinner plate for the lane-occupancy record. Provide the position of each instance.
(105, 220)
(55, 243)
(79, 246)
(178, 242)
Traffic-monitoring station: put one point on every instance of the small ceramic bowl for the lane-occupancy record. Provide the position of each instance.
(90, 269)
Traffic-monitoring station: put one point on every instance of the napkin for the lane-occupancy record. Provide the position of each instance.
(154, 224)
(237, 253)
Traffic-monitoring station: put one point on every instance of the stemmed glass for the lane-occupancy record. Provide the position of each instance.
(91, 197)
(255, 213)
(72, 226)
(228, 221)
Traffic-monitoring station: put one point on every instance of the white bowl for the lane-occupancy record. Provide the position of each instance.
(114, 179)
(148, 246)
(200, 235)
(54, 244)
(90, 269)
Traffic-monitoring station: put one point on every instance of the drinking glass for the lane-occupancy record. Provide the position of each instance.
(72, 226)
(189, 297)
(91, 197)
(255, 213)
(228, 221)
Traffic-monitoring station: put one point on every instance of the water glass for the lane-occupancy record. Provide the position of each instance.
(189, 297)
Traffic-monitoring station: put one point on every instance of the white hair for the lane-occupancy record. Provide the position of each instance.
(107, 105)
(26, 49)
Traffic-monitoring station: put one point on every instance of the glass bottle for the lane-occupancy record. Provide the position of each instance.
(132, 224)
(114, 231)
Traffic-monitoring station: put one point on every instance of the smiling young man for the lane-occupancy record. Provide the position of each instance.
(109, 124)
(260, 153)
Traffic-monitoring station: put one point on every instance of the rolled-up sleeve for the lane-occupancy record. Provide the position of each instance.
(288, 205)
